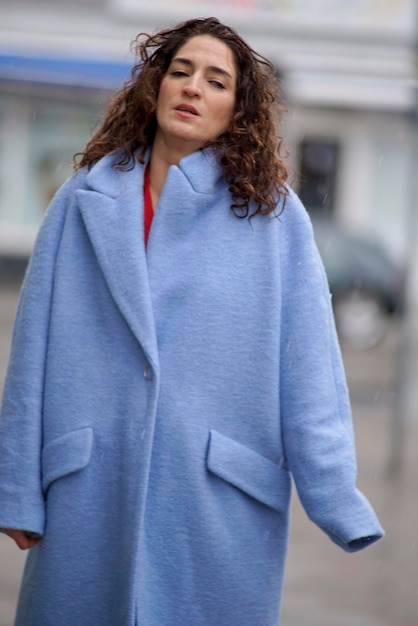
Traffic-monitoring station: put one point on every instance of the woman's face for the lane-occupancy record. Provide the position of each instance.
(197, 95)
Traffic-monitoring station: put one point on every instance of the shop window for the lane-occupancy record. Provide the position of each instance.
(318, 168)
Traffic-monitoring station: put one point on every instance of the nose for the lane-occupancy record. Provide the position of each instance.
(192, 86)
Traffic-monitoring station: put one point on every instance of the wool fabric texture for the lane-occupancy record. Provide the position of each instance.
(160, 403)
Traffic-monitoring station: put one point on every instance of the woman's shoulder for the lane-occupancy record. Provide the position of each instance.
(62, 200)
(77, 180)
(292, 215)
(293, 206)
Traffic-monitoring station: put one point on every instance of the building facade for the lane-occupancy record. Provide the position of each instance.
(348, 73)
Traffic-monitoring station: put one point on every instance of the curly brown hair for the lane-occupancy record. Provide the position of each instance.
(248, 152)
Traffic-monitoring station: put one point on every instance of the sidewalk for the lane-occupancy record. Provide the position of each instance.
(379, 586)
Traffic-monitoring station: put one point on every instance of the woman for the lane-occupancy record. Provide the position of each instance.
(161, 393)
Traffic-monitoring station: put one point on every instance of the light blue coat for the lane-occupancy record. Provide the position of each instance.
(157, 404)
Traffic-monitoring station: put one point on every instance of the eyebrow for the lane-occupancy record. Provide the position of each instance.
(212, 68)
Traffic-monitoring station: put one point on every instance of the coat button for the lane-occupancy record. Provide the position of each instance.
(148, 373)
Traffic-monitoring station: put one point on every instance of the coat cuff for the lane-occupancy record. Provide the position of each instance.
(362, 542)
(363, 539)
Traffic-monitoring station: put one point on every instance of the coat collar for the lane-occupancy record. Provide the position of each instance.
(202, 171)
(112, 210)
(200, 168)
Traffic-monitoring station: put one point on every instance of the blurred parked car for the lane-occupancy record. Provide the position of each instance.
(367, 287)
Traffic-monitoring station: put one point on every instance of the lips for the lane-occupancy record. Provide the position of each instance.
(187, 108)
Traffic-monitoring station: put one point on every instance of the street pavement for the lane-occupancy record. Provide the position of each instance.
(324, 585)
(379, 586)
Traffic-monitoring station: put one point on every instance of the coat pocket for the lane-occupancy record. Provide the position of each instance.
(66, 454)
(249, 471)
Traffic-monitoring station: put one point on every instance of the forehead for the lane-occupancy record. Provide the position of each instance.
(209, 49)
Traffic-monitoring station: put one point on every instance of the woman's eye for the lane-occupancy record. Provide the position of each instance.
(217, 84)
(178, 73)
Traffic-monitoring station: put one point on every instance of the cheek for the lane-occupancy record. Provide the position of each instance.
(163, 95)
(227, 116)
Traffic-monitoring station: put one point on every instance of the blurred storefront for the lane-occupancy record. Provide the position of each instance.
(348, 72)
(48, 109)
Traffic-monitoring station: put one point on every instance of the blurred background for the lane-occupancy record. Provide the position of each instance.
(349, 80)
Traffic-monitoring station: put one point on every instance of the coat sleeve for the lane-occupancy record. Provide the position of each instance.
(315, 408)
(21, 497)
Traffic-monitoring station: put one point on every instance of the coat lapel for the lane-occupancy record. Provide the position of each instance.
(112, 210)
